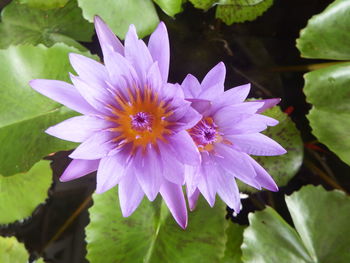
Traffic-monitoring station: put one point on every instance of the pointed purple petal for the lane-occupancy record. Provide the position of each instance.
(88, 69)
(149, 171)
(78, 168)
(96, 147)
(154, 79)
(63, 93)
(130, 194)
(268, 103)
(174, 199)
(173, 170)
(190, 119)
(215, 76)
(232, 96)
(192, 199)
(207, 183)
(106, 37)
(213, 82)
(78, 129)
(110, 171)
(251, 124)
(179, 109)
(158, 46)
(228, 191)
(97, 98)
(137, 53)
(237, 94)
(192, 176)
(184, 147)
(207, 186)
(121, 72)
(179, 112)
(267, 120)
(200, 105)
(224, 116)
(191, 87)
(263, 177)
(172, 91)
(256, 144)
(235, 163)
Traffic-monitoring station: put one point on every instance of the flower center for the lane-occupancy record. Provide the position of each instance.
(205, 133)
(140, 118)
(209, 135)
(141, 121)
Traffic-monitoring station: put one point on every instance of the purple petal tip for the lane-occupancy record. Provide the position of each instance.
(31, 82)
(275, 189)
(132, 28)
(221, 64)
(63, 180)
(162, 25)
(34, 83)
(183, 225)
(98, 19)
(271, 186)
(268, 104)
(126, 213)
(281, 151)
(48, 130)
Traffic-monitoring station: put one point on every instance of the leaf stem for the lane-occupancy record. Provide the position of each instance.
(256, 202)
(324, 176)
(308, 67)
(323, 163)
(270, 200)
(69, 221)
(256, 84)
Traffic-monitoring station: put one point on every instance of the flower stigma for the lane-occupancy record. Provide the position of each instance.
(141, 121)
(205, 133)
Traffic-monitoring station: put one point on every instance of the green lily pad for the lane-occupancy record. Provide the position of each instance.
(328, 89)
(327, 34)
(238, 11)
(203, 4)
(151, 234)
(233, 252)
(11, 251)
(119, 14)
(170, 7)
(36, 26)
(44, 4)
(282, 168)
(21, 193)
(26, 114)
(321, 231)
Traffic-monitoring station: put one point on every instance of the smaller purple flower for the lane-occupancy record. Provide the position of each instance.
(226, 136)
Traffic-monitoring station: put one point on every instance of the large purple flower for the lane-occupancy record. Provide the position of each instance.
(133, 127)
(226, 136)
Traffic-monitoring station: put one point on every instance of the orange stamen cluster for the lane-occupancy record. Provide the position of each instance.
(131, 108)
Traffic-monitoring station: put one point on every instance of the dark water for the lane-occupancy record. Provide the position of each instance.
(257, 52)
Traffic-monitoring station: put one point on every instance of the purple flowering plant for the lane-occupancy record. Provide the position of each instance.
(117, 148)
(149, 136)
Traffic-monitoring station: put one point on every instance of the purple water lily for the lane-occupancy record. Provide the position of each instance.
(226, 136)
(133, 127)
